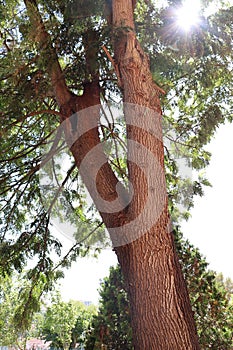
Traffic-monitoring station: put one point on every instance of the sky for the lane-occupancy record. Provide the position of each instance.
(209, 228)
(211, 225)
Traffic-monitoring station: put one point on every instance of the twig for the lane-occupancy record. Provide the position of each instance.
(76, 245)
(115, 66)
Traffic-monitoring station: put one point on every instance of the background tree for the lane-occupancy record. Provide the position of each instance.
(60, 320)
(211, 305)
(84, 319)
(227, 284)
(112, 325)
(213, 311)
(66, 58)
(65, 323)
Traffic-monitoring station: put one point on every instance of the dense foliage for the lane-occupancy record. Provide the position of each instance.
(65, 324)
(112, 325)
(13, 334)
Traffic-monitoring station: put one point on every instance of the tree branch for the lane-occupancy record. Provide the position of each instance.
(41, 36)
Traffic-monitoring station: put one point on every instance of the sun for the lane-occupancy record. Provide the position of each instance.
(187, 15)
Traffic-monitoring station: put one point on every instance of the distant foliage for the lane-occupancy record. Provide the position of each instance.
(212, 308)
(65, 324)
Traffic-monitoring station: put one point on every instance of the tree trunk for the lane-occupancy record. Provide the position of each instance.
(161, 313)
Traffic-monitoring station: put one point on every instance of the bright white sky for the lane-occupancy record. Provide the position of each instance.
(211, 225)
(210, 228)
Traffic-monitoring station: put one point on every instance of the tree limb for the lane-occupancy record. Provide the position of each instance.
(41, 36)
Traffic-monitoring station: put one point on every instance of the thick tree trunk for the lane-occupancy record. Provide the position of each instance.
(161, 313)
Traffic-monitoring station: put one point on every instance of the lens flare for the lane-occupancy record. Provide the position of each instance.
(188, 14)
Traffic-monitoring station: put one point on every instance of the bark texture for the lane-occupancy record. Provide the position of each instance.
(162, 317)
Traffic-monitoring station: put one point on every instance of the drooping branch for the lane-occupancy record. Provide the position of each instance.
(76, 246)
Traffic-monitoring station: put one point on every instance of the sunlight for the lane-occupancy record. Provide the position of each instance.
(188, 14)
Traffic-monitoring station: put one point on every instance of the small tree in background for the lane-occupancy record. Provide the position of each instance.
(227, 284)
(112, 325)
(65, 323)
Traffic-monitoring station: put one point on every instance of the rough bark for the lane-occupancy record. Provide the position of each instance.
(160, 308)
